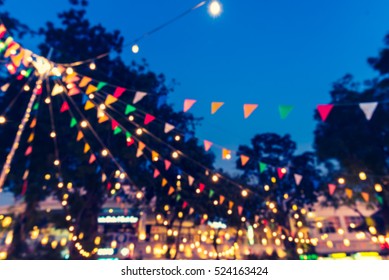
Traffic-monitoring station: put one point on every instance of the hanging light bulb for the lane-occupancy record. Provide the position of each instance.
(104, 152)
(53, 134)
(92, 66)
(135, 48)
(84, 124)
(26, 88)
(215, 8)
(69, 70)
(139, 131)
(174, 154)
(2, 120)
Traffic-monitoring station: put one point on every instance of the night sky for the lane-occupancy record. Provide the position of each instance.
(257, 51)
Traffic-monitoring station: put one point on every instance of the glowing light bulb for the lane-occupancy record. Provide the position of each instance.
(174, 155)
(92, 66)
(56, 162)
(53, 134)
(341, 181)
(2, 120)
(215, 8)
(131, 118)
(378, 187)
(102, 106)
(266, 188)
(69, 70)
(139, 195)
(215, 178)
(139, 131)
(84, 124)
(228, 156)
(47, 100)
(244, 193)
(104, 152)
(362, 176)
(135, 48)
(177, 138)
(26, 88)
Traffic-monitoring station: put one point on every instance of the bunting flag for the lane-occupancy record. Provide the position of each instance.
(30, 138)
(164, 182)
(28, 151)
(74, 91)
(139, 95)
(191, 211)
(90, 89)
(100, 85)
(168, 127)
(324, 110)
(188, 103)
(17, 59)
(154, 155)
(73, 122)
(244, 159)
(368, 109)
(201, 187)
(139, 153)
(280, 172)
(240, 210)
(167, 164)
(230, 204)
(211, 193)
(33, 123)
(248, 109)
(92, 158)
(80, 135)
(110, 100)
(262, 167)
(118, 92)
(190, 180)
(226, 154)
(84, 82)
(64, 107)
(331, 188)
(103, 177)
(285, 110)
(365, 196)
(349, 193)
(103, 118)
(86, 148)
(221, 199)
(85, 98)
(207, 145)
(156, 173)
(141, 145)
(215, 106)
(89, 105)
(148, 119)
(57, 89)
(24, 187)
(171, 190)
(117, 130)
(114, 124)
(129, 109)
(5, 87)
(298, 178)
(184, 205)
(129, 141)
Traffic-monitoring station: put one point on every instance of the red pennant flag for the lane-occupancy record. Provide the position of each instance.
(24, 188)
(207, 145)
(92, 158)
(114, 124)
(201, 187)
(156, 173)
(281, 172)
(184, 205)
(240, 210)
(148, 119)
(167, 164)
(324, 110)
(331, 188)
(64, 107)
(130, 141)
(109, 186)
(244, 159)
(118, 92)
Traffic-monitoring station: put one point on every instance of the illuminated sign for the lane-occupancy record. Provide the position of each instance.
(105, 252)
(117, 219)
(250, 235)
(217, 225)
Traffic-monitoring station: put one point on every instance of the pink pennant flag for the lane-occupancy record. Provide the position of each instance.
(191, 211)
(24, 187)
(248, 109)
(168, 127)
(73, 91)
(92, 158)
(297, 178)
(138, 96)
(324, 110)
(148, 119)
(188, 103)
(207, 145)
(156, 173)
(167, 164)
(139, 153)
(64, 107)
(240, 210)
(118, 92)
(28, 151)
(331, 188)
(244, 159)
(190, 180)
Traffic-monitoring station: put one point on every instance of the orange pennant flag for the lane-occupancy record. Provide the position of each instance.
(84, 81)
(154, 155)
(365, 196)
(33, 123)
(74, 91)
(188, 103)
(171, 190)
(215, 106)
(17, 59)
(164, 182)
(90, 89)
(86, 148)
(226, 154)
(80, 135)
(141, 145)
(139, 153)
(244, 159)
(103, 119)
(221, 199)
(31, 138)
(89, 105)
(248, 109)
(230, 204)
(349, 193)
(110, 99)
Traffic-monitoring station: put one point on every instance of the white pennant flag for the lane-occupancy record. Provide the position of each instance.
(103, 177)
(298, 178)
(190, 180)
(139, 96)
(5, 87)
(168, 127)
(57, 89)
(368, 109)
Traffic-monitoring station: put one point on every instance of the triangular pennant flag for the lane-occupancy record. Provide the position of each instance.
(244, 159)
(139, 153)
(201, 187)
(281, 172)
(118, 92)
(190, 180)
(33, 123)
(31, 138)
(221, 199)
(230, 204)
(240, 210)
(84, 99)
(110, 99)
(368, 109)
(379, 199)
(138, 96)
(178, 197)
(365, 196)
(117, 130)
(74, 91)
(207, 145)
(86, 148)
(349, 192)
(89, 105)
(324, 110)
(84, 82)
(73, 122)
(100, 85)
(298, 178)
(168, 127)
(211, 193)
(103, 118)
(3, 30)
(171, 190)
(129, 141)
(154, 155)
(17, 59)
(167, 164)
(64, 107)
(114, 124)
(80, 135)
(129, 109)
(92, 158)
(24, 188)
(28, 151)
(141, 145)
(226, 154)
(262, 167)
(164, 182)
(191, 211)
(248, 109)
(103, 177)
(215, 106)
(331, 188)
(256, 218)
(148, 119)
(156, 173)
(184, 205)
(285, 110)
(90, 89)
(188, 103)
(5, 87)
(57, 89)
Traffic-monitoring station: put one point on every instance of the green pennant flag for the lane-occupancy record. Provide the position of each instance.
(36, 106)
(128, 134)
(211, 193)
(178, 197)
(129, 109)
(285, 110)
(100, 85)
(262, 167)
(379, 199)
(73, 122)
(117, 130)
(28, 73)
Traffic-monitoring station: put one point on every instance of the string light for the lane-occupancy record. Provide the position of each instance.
(378, 187)
(69, 70)
(47, 100)
(53, 134)
(84, 124)
(177, 138)
(135, 48)
(26, 88)
(215, 8)
(2, 120)
(139, 131)
(92, 66)
(215, 178)
(102, 107)
(175, 154)
(244, 193)
(104, 152)
(341, 181)
(362, 176)
(131, 118)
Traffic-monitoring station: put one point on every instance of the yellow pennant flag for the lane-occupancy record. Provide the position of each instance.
(84, 81)
(80, 135)
(171, 190)
(17, 59)
(103, 119)
(89, 105)
(90, 89)
(164, 182)
(31, 138)
(86, 148)
(70, 78)
(215, 106)
(110, 99)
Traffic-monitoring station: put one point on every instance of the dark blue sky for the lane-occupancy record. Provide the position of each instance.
(258, 51)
